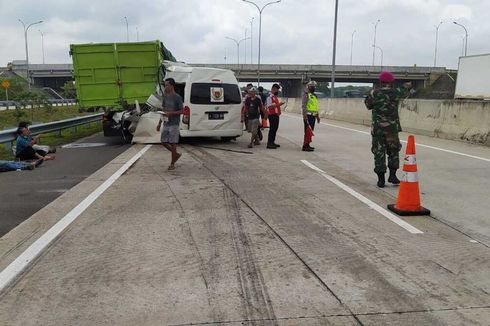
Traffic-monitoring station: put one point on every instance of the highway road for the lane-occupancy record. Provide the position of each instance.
(25, 192)
(258, 237)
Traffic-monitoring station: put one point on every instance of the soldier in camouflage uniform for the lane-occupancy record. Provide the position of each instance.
(383, 101)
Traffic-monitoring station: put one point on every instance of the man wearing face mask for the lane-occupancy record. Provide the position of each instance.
(274, 109)
(309, 106)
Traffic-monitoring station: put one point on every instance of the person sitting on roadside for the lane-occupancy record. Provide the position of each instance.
(44, 148)
(24, 147)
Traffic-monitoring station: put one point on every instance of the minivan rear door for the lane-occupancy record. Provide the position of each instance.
(214, 106)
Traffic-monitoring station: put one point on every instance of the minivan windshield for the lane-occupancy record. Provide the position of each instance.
(215, 93)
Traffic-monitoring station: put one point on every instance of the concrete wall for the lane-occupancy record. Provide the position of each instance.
(449, 119)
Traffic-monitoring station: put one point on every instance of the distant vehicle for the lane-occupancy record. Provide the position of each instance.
(473, 81)
(355, 93)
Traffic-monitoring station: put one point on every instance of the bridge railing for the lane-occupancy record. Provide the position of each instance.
(11, 105)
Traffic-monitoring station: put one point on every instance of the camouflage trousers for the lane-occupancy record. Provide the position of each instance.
(386, 144)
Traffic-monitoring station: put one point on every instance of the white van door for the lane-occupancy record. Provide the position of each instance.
(214, 106)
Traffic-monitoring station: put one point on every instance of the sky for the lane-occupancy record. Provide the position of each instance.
(293, 31)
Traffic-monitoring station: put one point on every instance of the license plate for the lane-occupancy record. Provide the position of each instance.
(216, 116)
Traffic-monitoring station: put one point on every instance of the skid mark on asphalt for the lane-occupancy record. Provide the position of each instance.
(365, 200)
(207, 274)
(206, 157)
(251, 280)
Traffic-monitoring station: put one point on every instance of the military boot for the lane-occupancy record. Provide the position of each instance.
(392, 178)
(381, 180)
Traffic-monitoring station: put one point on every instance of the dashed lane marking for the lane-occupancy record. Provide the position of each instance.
(365, 200)
(15, 268)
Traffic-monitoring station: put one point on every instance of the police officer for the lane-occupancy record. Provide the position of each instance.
(383, 102)
(309, 106)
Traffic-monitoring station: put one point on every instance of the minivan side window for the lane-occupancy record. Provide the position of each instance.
(201, 93)
(179, 89)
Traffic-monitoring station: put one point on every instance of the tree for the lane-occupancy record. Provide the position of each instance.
(68, 90)
(17, 86)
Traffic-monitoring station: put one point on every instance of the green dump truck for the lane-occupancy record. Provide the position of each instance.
(115, 76)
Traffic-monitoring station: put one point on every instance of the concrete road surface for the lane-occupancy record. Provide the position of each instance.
(25, 192)
(257, 237)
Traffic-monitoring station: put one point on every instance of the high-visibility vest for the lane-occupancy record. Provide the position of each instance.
(312, 104)
(276, 110)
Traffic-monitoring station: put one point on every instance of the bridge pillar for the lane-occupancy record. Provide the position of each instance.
(292, 88)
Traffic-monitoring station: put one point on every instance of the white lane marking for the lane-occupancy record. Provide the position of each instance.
(404, 141)
(32, 252)
(84, 145)
(365, 200)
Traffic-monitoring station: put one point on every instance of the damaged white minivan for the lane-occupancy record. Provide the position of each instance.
(212, 104)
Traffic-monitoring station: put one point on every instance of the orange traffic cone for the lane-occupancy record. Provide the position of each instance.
(408, 202)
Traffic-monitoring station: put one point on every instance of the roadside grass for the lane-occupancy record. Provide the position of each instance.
(59, 138)
(11, 118)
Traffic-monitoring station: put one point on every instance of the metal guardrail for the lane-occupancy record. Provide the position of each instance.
(10, 135)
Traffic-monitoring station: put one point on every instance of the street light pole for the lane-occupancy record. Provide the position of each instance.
(380, 50)
(332, 88)
(42, 42)
(127, 28)
(27, 49)
(237, 46)
(462, 48)
(352, 46)
(225, 58)
(137, 34)
(437, 37)
(251, 39)
(260, 31)
(374, 43)
(245, 47)
(466, 42)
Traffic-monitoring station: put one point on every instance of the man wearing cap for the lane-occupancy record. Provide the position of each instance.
(309, 106)
(274, 110)
(383, 102)
(253, 107)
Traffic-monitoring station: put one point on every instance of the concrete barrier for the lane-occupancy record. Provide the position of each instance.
(449, 119)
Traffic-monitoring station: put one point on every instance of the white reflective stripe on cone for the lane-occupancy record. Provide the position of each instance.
(410, 177)
(410, 160)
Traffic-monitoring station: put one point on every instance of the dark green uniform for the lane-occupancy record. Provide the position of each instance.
(385, 126)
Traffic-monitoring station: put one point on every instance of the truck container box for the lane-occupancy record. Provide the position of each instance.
(116, 74)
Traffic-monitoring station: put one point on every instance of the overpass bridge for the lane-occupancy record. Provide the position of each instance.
(291, 76)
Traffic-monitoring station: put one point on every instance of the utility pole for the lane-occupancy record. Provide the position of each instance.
(260, 31)
(437, 37)
(352, 46)
(251, 39)
(374, 43)
(127, 28)
(466, 38)
(332, 88)
(237, 46)
(42, 42)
